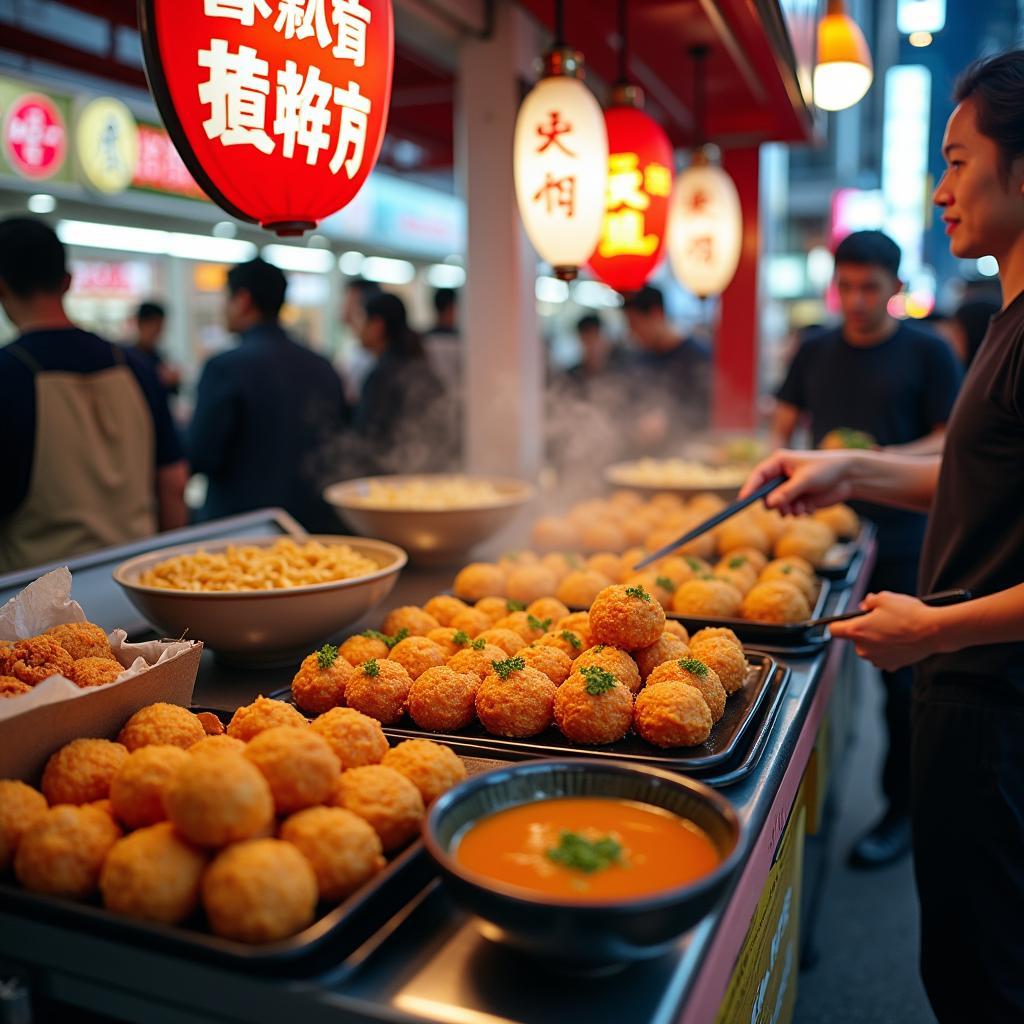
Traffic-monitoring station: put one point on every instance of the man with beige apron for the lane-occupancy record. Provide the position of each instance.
(93, 458)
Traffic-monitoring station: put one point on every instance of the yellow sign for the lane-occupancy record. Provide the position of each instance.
(108, 144)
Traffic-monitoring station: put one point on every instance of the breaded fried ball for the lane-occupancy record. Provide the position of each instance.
(6, 650)
(153, 875)
(86, 672)
(757, 559)
(379, 689)
(12, 687)
(580, 587)
(320, 683)
(477, 660)
(579, 623)
(547, 608)
(259, 891)
(841, 520)
(444, 608)
(795, 561)
(606, 563)
(137, 790)
(507, 639)
(342, 849)
(707, 598)
(529, 582)
(627, 617)
(528, 626)
(443, 700)
(706, 504)
(593, 707)
(263, 713)
(566, 640)
(82, 771)
(82, 640)
(738, 570)
(479, 579)
(806, 538)
(163, 724)
(725, 658)
(715, 631)
(62, 853)
(521, 704)
(677, 629)
(416, 654)
(741, 532)
(803, 582)
(612, 659)
(38, 658)
(514, 559)
(554, 663)
(415, 621)
(364, 647)
(550, 533)
(385, 799)
(450, 640)
(299, 765)
(562, 563)
(21, 807)
(672, 714)
(771, 520)
(355, 738)
(472, 622)
(224, 744)
(776, 601)
(661, 588)
(694, 672)
(666, 648)
(216, 798)
(495, 607)
(432, 768)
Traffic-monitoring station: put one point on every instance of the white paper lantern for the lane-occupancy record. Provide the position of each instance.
(705, 229)
(561, 171)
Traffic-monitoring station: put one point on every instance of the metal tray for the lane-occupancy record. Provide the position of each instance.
(842, 562)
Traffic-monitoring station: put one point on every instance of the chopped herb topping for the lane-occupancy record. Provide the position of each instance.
(665, 583)
(693, 563)
(461, 638)
(398, 637)
(540, 624)
(638, 592)
(694, 665)
(515, 606)
(705, 576)
(599, 648)
(374, 634)
(574, 561)
(505, 668)
(737, 562)
(577, 852)
(511, 556)
(371, 668)
(571, 639)
(787, 569)
(478, 644)
(326, 656)
(599, 680)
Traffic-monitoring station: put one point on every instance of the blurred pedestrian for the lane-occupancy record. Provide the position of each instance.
(442, 343)
(599, 355)
(150, 318)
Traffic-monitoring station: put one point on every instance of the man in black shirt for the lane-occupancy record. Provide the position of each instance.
(149, 327)
(896, 384)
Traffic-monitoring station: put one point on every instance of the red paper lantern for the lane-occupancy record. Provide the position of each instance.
(636, 213)
(277, 107)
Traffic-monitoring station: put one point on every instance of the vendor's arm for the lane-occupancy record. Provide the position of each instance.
(930, 444)
(784, 424)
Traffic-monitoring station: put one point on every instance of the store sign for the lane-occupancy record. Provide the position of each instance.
(159, 168)
(107, 145)
(35, 137)
(277, 107)
(114, 279)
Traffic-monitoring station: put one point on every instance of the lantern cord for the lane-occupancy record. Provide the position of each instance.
(623, 43)
(559, 23)
(699, 55)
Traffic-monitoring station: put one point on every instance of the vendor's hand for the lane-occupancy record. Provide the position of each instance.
(898, 630)
(814, 480)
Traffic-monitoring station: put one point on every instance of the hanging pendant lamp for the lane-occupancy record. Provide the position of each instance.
(843, 73)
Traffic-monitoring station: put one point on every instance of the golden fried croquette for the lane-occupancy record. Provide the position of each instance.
(162, 723)
(715, 631)
(355, 738)
(667, 647)
(432, 768)
(554, 663)
(62, 853)
(725, 658)
(795, 561)
(216, 798)
(707, 598)
(705, 504)
(263, 713)
(756, 559)
(507, 639)
(6, 650)
(320, 683)
(472, 622)
(449, 639)
(384, 798)
(625, 499)
(593, 707)
(379, 689)
(529, 582)
(578, 622)
(547, 608)
(153, 874)
(363, 647)
(549, 533)
(514, 559)
(566, 640)
(515, 700)
(106, 807)
(627, 562)
(444, 608)
(672, 714)
(611, 659)
(495, 607)
(803, 582)
(528, 626)
(580, 587)
(342, 849)
(479, 579)
(694, 672)
(12, 687)
(38, 658)
(776, 601)
(21, 807)
(741, 532)
(225, 743)
(299, 765)
(81, 771)
(137, 790)
(259, 891)
(82, 640)
(677, 629)
(806, 538)
(443, 700)
(661, 588)
(415, 621)
(606, 563)
(562, 563)
(627, 617)
(477, 660)
(602, 534)
(738, 570)
(841, 520)
(416, 654)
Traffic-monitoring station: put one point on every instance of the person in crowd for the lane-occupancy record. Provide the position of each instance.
(150, 318)
(265, 410)
(91, 457)
(599, 354)
(895, 385)
(353, 362)
(967, 787)
(969, 324)
(442, 343)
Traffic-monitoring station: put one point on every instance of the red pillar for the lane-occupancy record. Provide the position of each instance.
(734, 394)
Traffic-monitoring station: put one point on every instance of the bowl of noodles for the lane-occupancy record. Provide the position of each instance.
(264, 599)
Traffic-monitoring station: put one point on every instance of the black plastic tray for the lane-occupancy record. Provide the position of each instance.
(843, 561)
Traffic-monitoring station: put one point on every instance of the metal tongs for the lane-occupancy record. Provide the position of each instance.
(939, 599)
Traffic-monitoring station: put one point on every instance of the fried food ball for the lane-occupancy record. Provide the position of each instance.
(385, 799)
(579, 623)
(806, 584)
(672, 714)
(319, 685)
(666, 648)
(547, 608)
(529, 582)
(738, 570)
(164, 724)
(627, 617)
(216, 798)
(472, 622)
(841, 520)
(710, 632)
(299, 765)
(520, 704)
(259, 891)
(757, 559)
(82, 771)
(625, 499)
(449, 639)
(795, 561)
(432, 768)
(153, 874)
(725, 659)
(593, 707)
(566, 640)
(613, 660)
(63, 852)
(694, 672)
(6, 649)
(707, 598)
(82, 640)
(479, 579)
(416, 654)
(661, 588)
(443, 700)
(677, 629)
(38, 658)
(554, 663)
(444, 608)
(12, 687)
(415, 621)
(776, 601)
(561, 563)
(342, 849)
(380, 689)
(507, 639)
(603, 535)
(355, 738)
(580, 587)
(495, 607)
(706, 504)
(225, 743)
(807, 538)
(263, 713)
(364, 647)
(606, 564)
(477, 660)
(627, 561)
(528, 626)
(550, 533)
(21, 807)
(137, 790)
(741, 532)
(514, 559)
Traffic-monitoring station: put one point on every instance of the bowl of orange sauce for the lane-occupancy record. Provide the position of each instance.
(586, 865)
